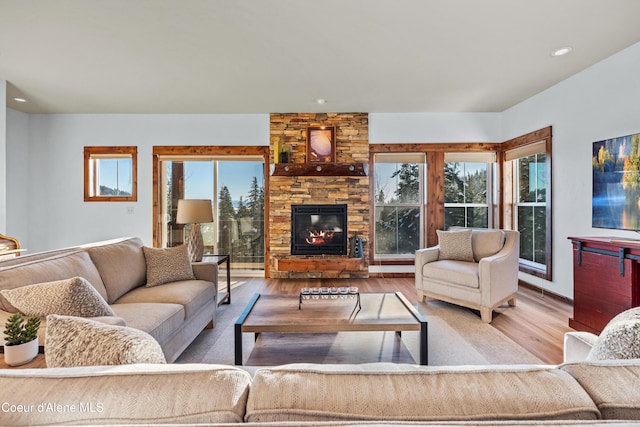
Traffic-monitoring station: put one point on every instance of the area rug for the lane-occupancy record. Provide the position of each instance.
(456, 336)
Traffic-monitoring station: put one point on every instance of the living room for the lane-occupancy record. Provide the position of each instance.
(588, 98)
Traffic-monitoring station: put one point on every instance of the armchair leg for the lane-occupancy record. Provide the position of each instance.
(421, 295)
(486, 313)
(512, 302)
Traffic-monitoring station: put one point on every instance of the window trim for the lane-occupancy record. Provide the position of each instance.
(106, 152)
(519, 145)
(405, 157)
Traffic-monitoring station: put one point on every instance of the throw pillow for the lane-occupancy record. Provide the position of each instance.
(74, 341)
(69, 297)
(618, 340)
(167, 265)
(630, 314)
(455, 245)
(486, 243)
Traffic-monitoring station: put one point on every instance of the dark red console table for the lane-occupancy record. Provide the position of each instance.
(606, 280)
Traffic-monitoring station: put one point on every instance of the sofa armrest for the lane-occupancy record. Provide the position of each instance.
(500, 271)
(205, 271)
(577, 346)
(424, 256)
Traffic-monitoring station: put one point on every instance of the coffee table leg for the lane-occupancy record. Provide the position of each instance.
(238, 329)
(424, 349)
(238, 343)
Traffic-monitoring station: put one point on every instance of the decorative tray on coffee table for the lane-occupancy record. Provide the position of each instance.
(330, 294)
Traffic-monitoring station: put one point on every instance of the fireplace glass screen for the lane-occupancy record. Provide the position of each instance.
(318, 229)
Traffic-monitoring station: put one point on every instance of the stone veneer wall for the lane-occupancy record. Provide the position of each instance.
(352, 145)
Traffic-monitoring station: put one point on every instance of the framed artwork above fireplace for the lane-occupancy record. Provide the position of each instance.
(321, 144)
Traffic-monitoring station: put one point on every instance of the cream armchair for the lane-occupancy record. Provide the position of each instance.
(481, 277)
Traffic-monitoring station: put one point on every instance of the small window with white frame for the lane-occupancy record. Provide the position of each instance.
(110, 174)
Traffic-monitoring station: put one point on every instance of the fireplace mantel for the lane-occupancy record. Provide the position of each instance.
(320, 169)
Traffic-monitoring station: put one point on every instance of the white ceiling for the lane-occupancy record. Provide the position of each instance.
(258, 56)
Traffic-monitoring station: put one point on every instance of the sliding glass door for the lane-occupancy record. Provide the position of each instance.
(235, 186)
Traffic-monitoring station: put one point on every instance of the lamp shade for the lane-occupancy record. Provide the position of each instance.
(194, 211)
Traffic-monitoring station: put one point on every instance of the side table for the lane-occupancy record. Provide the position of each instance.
(38, 362)
(220, 259)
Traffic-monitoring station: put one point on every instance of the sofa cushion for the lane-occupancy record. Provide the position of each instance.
(128, 394)
(458, 272)
(69, 297)
(191, 294)
(64, 266)
(121, 265)
(167, 265)
(74, 341)
(161, 321)
(614, 386)
(486, 243)
(618, 340)
(455, 245)
(353, 392)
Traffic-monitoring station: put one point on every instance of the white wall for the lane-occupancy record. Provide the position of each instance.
(415, 128)
(57, 214)
(598, 103)
(17, 153)
(3, 157)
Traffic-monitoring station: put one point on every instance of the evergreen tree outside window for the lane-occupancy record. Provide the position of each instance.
(236, 187)
(399, 189)
(468, 190)
(531, 209)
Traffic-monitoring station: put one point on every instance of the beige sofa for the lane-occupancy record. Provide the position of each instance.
(482, 276)
(369, 394)
(172, 313)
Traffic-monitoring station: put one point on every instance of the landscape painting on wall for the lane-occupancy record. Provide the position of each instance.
(616, 183)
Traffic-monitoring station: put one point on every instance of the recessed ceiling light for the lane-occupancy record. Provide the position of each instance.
(562, 51)
(19, 99)
(321, 101)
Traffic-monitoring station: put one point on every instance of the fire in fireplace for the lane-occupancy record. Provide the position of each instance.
(318, 229)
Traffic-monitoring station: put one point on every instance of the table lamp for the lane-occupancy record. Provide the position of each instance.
(194, 212)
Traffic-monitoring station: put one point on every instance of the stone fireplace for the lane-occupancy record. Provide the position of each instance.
(309, 188)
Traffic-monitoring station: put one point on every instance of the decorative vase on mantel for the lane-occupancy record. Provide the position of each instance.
(285, 155)
(16, 355)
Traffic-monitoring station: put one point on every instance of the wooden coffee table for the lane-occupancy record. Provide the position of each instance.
(379, 312)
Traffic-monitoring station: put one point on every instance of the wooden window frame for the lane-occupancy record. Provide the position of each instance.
(508, 194)
(105, 152)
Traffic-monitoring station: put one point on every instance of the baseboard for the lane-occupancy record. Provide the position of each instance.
(545, 292)
(388, 275)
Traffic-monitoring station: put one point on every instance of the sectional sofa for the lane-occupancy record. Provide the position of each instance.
(173, 312)
(603, 393)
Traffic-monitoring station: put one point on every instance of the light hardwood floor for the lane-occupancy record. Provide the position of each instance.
(537, 322)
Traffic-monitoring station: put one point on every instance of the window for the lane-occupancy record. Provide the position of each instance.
(468, 189)
(110, 174)
(235, 184)
(527, 206)
(531, 210)
(399, 198)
